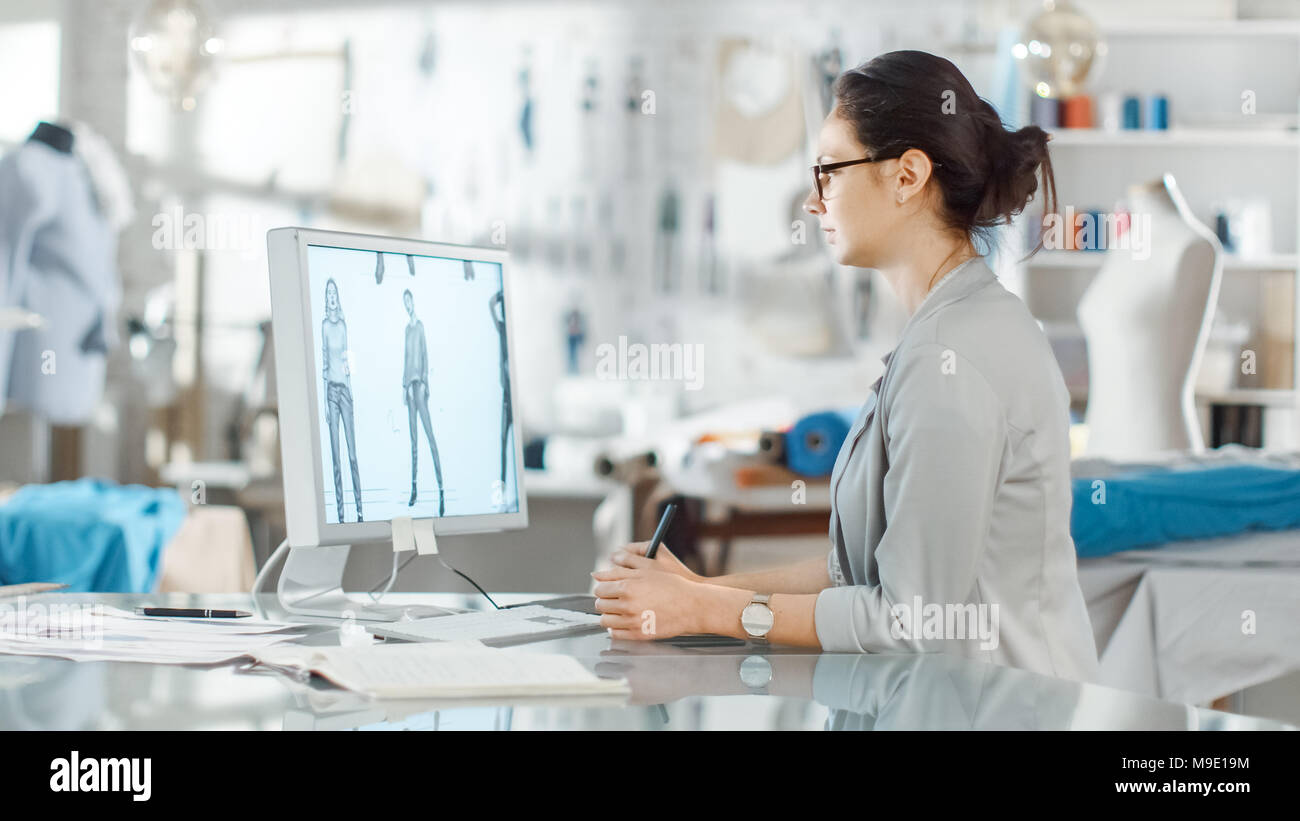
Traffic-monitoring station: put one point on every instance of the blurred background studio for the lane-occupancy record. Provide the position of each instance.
(643, 164)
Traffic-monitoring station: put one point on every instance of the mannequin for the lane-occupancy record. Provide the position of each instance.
(1146, 322)
(55, 136)
(57, 260)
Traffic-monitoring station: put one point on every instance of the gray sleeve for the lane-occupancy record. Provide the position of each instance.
(946, 439)
(833, 569)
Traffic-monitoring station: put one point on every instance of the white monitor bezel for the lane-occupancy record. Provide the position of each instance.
(295, 355)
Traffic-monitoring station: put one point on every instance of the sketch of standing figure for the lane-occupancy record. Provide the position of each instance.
(338, 393)
(497, 307)
(415, 392)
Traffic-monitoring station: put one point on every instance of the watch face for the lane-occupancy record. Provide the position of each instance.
(756, 619)
(756, 672)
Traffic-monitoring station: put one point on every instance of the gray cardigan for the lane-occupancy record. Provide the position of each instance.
(950, 499)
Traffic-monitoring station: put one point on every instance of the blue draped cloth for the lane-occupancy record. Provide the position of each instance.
(92, 535)
(1149, 508)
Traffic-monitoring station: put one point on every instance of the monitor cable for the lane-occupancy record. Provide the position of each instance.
(399, 568)
(264, 574)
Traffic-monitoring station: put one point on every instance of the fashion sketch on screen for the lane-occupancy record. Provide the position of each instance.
(415, 393)
(497, 306)
(338, 394)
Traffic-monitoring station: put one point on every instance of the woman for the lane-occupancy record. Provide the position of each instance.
(415, 393)
(951, 495)
(497, 308)
(338, 394)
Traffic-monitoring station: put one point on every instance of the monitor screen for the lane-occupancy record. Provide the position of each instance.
(413, 385)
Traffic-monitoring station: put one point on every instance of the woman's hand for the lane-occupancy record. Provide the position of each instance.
(645, 603)
(632, 556)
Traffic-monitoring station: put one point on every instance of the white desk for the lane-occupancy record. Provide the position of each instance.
(672, 688)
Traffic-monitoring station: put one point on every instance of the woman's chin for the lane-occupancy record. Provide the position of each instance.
(846, 256)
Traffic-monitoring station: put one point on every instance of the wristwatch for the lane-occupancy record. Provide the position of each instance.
(757, 618)
(756, 674)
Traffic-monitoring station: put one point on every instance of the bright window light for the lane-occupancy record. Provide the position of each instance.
(28, 50)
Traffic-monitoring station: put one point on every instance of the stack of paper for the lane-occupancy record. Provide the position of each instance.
(97, 633)
(444, 670)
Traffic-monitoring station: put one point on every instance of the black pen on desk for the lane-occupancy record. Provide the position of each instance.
(662, 529)
(191, 613)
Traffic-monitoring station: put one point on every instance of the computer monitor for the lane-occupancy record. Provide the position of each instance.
(394, 374)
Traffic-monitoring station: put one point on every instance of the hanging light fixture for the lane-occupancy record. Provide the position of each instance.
(173, 43)
(1058, 50)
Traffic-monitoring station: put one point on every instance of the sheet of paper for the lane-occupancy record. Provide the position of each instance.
(98, 633)
(449, 669)
(154, 652)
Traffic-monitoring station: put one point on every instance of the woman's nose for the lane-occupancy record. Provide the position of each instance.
(813, 204)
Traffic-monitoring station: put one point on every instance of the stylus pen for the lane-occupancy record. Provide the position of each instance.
(191, 613)
(658, 538)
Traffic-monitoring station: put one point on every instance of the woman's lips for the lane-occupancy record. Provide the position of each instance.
(830, 234)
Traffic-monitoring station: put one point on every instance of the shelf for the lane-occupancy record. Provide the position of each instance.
(1175, 138)
(1268, 397)
(1204, 28)
(1093, 259)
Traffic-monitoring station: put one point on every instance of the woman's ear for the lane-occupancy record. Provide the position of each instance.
(914, 168)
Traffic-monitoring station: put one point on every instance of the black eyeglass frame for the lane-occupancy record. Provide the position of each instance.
(821, 168)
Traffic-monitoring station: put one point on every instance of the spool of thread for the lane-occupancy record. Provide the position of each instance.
(814, 442)
(1045, 112)
(1111, 111)
(771, 447)
(1097, 240)
(1158, 112)
(624, 467)
(1222, 231)
(1076, 112)
(1132, 112)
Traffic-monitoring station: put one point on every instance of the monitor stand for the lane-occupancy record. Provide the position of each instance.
(311, 584)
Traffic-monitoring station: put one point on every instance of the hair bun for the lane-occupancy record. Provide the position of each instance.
(1014, 160)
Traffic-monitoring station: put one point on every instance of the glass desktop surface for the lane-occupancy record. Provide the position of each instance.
(722, 688)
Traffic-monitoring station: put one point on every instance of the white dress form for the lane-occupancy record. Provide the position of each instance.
(1146, 322)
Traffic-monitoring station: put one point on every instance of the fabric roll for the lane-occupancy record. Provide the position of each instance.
(815, 440)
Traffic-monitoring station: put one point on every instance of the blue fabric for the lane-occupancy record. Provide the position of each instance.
(93, 536)
(1150, 508)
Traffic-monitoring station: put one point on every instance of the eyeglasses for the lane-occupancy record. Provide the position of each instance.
(823, 168)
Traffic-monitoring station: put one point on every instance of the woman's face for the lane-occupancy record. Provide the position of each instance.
(331, 297)
(857, 210)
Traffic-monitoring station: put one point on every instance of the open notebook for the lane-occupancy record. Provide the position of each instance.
(442, 670)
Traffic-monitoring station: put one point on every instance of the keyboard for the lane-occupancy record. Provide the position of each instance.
(495, 628)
